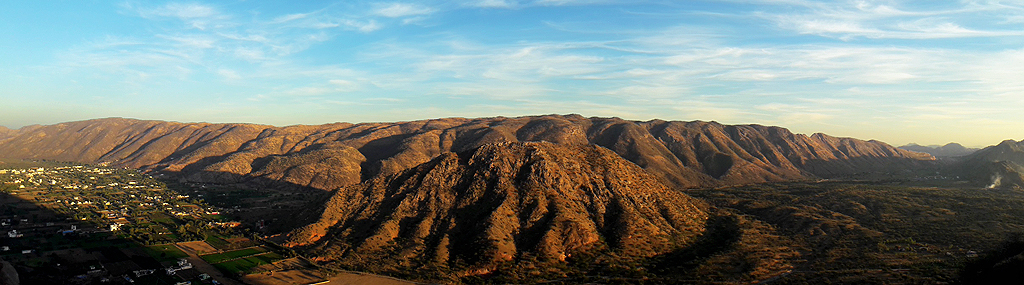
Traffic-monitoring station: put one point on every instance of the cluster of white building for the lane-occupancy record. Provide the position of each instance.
(183, 264)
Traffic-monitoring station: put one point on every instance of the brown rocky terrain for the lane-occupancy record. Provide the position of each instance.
(502, 205)
(680, 154)
(5, 132)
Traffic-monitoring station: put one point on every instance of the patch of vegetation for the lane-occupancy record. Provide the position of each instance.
(224, 256)
(722, 232)
(240, 266)
(878, 232)
(164, 252)
(218, 242)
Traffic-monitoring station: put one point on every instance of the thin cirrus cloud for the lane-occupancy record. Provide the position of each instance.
(398, 10)
(196, 36)
(808, 65)
(882, 21)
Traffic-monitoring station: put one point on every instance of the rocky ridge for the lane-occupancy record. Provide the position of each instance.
(330, 156)
(5, 132)
(502, 205)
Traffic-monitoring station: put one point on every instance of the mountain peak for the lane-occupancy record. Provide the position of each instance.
(1008, 143)
(1000, 165)
(502, 202)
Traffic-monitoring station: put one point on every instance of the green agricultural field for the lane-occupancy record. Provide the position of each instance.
(238, 266)
(245, 264)
(165, 252)
(269, 257)
(225, 256)
(218, 242)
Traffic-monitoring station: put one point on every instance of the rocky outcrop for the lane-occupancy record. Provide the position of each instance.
(680, 154)
(502, 203)
(5, 133)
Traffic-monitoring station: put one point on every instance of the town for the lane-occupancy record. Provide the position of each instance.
(79, 224)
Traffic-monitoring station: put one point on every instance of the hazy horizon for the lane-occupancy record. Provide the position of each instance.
(896, 71)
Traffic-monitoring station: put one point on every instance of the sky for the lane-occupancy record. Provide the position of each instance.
(927, 72)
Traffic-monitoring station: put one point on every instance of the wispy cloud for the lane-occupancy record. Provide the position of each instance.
(194, 39)
(362, 26)
(290, 17)
(229, 74)
(182, 11)
(515, 4)
(398, 10)
(870, 19)
(801, 64)
(198, 16)
(492, 4)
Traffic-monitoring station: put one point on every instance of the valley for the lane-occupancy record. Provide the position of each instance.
(868, 232)
(72, 223)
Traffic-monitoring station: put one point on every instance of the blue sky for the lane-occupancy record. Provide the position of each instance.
(929, 72)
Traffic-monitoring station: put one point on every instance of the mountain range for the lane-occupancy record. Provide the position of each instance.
(565, 197)
(948, 150)
(456, 198)
(1001, 166)
(680, 154)
(533, 203)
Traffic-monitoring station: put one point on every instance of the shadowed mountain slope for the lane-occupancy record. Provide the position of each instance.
(680, 154)
(998, 166)
(500, 204)
(8, 276)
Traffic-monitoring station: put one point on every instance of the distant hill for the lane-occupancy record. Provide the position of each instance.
(948, 150)
(999, 166)
(503, 205)
(680, 154)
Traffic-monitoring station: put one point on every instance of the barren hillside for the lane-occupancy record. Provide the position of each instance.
(680, 154)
